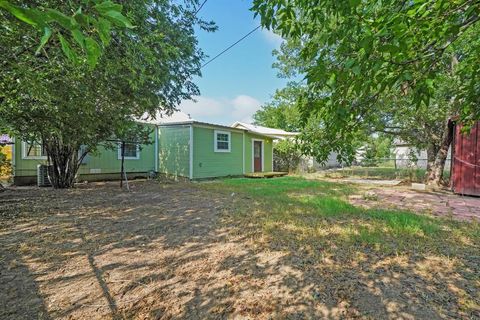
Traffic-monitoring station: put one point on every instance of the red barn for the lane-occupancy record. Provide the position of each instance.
(466, 161)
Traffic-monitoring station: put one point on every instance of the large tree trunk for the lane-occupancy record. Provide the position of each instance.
(432, 150)
(64, 160)
(436, 168)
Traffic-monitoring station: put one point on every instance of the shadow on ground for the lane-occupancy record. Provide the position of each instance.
(179, 251)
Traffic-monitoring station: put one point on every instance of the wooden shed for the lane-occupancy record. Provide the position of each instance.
(466, 161)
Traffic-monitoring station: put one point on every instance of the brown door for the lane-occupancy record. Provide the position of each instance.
(257, 156)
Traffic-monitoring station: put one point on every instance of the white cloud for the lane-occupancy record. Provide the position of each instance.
(202, 107)
(221, 110)
(244, 107)
(272, 37)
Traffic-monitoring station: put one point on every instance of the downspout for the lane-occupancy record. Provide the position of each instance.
(191, 152)
(156, 149)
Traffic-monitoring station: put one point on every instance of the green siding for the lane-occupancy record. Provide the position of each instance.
(173, 155)
(267, 149)
(174, 150)
(207, 163)
(104, 161)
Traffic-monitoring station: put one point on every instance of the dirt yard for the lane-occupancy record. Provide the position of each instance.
(178, 251)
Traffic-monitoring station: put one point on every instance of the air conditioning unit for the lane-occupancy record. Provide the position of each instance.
(43, 173)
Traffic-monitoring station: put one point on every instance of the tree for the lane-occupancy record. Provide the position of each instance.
(355, 55)
(89, 25)
(377, 148)
(282, 111)
(69, 106)
(286, 155)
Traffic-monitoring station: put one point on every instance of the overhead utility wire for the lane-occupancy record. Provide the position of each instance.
(201, 6)
(231, 46)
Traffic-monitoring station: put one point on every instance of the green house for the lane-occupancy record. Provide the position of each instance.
(181, 148)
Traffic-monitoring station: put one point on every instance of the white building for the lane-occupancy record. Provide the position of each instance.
(405, 154)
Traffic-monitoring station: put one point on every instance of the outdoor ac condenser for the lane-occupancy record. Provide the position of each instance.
(43, 172)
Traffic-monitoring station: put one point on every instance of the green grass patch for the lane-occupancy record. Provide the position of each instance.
(296, 211)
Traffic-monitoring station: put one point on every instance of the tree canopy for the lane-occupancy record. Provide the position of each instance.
(282, 111)
(89, 26)
(49, 97)
(355, 50)
(401, 68)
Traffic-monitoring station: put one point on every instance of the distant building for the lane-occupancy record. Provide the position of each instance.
(407, 156)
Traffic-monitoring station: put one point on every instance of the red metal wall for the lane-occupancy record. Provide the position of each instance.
(466, 162)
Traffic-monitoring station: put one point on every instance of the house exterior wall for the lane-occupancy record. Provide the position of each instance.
(174, 150)
(103, 165)
(310, 164)
(172, 154)
(402, 155)
(207, 163)
(267, 149)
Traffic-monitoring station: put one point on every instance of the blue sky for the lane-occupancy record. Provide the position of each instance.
(234, 85)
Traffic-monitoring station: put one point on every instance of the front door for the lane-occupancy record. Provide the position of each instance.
(257, 156)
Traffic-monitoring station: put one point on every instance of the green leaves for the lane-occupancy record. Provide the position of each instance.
(69, 53)
(84, 30)
(60, 18)
(108, 6)
(104, 29)
(79, 37)
(47, 33)
(367, 48)
(118, 18)
(93, 52)
(18, 12)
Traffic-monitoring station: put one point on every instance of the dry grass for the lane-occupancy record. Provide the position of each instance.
(251, 249)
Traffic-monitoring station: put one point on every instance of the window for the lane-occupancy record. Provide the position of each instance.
(132, 151)
(34, 151)
(222, 141)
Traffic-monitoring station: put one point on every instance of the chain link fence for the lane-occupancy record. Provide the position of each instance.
(378, 169)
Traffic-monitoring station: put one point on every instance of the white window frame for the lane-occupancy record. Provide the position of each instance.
(253, 154)
(25, 152)
(119, 155)
(215, 146)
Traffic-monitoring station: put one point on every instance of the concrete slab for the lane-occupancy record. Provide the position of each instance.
(374, 182)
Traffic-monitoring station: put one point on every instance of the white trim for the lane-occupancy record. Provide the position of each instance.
(119, 153)
(24, 154)
(253, 154)
(191, 152)
(156, 148)
(243, 152)
(215, 133)
(202, 125)
(217, 127)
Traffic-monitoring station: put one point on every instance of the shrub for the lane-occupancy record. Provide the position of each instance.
(286, 156)
(5, 165)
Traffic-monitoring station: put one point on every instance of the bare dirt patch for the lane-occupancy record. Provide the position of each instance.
(181, 251)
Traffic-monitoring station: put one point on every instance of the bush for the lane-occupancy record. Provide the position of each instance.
(286, 156)
(5, 165)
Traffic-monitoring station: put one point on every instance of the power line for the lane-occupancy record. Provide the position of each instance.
(230, 47)
(201, 6)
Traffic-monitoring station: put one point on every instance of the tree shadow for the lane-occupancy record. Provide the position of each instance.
(180, 251)
(20, 297)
